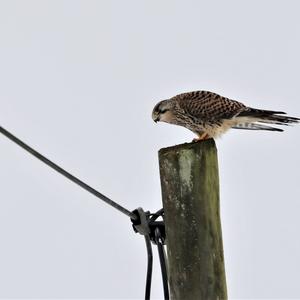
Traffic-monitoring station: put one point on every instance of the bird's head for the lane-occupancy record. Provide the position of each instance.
(163, 111)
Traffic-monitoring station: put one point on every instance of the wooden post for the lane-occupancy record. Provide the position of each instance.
(190, 192)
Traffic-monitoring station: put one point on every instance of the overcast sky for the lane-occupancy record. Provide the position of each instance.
(78, 81)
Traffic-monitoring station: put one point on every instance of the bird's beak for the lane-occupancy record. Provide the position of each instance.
(156, 119)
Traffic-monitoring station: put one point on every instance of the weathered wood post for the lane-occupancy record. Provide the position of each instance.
(190, 192)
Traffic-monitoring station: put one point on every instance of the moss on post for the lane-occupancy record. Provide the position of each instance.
(190, 192)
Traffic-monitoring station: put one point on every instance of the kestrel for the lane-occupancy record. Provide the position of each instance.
(209, 115)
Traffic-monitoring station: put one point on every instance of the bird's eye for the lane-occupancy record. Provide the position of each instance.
(162, 111)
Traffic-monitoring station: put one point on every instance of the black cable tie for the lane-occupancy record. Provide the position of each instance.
(141, 223)
(146, 224)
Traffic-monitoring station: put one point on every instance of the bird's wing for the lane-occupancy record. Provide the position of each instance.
(209, 106)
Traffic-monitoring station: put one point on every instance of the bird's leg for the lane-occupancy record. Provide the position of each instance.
(202, 137)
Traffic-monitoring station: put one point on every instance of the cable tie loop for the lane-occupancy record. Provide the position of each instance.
(141, 224)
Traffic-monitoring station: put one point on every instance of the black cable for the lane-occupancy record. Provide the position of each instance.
(153, 231)
(149, 267)
(162, 259)
(159, 213)
(133, 216)
(67, 174)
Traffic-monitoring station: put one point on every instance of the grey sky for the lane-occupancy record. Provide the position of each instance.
(78, 80)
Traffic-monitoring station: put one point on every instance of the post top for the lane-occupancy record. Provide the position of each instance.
(193, 145)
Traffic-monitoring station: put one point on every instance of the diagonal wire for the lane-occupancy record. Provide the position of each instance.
(67, 174)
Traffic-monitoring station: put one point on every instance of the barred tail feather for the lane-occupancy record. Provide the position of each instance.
(268, 117)
(256, 126)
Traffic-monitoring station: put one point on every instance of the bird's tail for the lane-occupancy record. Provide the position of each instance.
(264, 116)
(255, 126)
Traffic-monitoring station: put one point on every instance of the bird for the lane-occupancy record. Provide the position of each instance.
(210, 115)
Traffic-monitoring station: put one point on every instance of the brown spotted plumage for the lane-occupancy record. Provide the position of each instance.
(209, 115)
